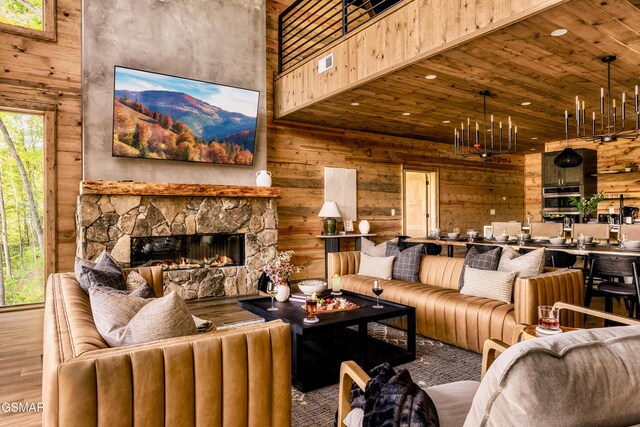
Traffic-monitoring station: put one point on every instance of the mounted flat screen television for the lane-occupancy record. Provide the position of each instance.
(156, 116)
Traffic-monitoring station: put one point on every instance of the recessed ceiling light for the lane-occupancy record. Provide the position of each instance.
(534, 138)
(446, 121)
(406, 114)
(532, 149)
(525, 103)
(355, 104)
(430, 76)
(559, 32)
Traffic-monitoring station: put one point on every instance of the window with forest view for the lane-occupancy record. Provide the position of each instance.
(21, 208)
(22, 13)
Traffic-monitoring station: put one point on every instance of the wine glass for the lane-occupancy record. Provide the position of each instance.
(377, 289)
(272, 290)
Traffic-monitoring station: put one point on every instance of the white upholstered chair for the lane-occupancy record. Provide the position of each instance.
(584, 377)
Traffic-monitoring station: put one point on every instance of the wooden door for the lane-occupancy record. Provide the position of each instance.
(420, 203)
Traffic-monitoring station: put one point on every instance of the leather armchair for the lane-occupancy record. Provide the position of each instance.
(239, 377)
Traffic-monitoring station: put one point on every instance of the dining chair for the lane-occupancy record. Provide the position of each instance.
(428, 248)
(556, 259)
(545, 230)
(630, 231)
(612, 270)
(510, 228)
(597, 231)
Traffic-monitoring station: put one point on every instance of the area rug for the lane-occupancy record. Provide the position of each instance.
(436, 363)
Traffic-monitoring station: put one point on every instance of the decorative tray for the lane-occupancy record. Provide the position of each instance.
(334, 305)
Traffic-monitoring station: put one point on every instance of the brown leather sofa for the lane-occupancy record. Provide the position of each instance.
(239, 377)
(442, 313)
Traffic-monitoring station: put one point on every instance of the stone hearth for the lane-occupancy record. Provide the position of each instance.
(107, 222)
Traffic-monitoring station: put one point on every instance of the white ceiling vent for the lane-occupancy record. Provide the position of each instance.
(325, 63)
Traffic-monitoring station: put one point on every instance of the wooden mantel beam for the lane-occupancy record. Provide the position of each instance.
(170, 189)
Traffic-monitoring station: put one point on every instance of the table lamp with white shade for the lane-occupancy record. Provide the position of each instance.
(329, 212)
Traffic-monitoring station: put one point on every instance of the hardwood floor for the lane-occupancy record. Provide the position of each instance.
(21, 347)
(20, 365)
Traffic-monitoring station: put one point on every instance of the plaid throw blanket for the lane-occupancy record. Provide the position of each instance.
(393, 399)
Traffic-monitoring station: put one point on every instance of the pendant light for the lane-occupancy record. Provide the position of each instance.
(568, 158)
(466, 145)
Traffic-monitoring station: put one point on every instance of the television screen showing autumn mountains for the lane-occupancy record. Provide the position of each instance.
(164, 117)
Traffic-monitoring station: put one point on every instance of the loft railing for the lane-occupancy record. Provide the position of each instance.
(309, 25)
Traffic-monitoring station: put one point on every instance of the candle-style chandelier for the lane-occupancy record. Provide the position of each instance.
(610, 129)
(465, 145)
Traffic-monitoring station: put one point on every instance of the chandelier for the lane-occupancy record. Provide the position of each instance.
(612, 129)
(465, 145)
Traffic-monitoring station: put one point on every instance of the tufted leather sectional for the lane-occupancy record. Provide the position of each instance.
(236, 377)
(465, 321)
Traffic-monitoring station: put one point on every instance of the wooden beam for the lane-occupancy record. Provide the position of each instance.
(169, 189)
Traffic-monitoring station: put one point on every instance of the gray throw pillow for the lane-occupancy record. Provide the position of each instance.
(483, 261)
(105, 272)
(81, 262)
(126, 320)
(407, 263)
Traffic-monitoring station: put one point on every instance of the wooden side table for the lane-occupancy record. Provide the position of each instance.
(332, 244)
(530, 332)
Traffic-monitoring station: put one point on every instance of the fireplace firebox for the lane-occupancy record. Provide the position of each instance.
(188, 251)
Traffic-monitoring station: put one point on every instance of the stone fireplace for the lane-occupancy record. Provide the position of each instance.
(128, 218)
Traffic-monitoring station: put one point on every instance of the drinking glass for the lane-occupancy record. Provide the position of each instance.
(272, 290)
(521, 239)
(335, 285)
(456, 230)
(581, 241)
(471, 234)
(623, 237)
(311, 307)
(377, 289)
(548, 317)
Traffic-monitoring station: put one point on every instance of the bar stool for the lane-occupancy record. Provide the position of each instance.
(612, 270)
(510, 228)
(544, 230)
(630, 231)
(597, 231)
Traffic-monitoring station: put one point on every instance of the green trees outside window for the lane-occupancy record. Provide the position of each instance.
(21, 208)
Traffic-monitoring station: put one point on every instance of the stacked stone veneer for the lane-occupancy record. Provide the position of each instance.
(109, 222)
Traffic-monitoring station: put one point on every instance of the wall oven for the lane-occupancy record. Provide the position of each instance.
(556, 200)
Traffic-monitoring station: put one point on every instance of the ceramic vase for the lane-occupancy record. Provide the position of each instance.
(263, 178)
(364, 226)
(283, 293)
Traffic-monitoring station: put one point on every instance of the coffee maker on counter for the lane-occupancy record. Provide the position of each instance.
(629, 214)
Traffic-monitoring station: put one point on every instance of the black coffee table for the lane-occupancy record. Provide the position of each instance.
(319, 348)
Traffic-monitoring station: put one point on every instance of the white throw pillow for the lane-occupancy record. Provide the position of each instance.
(525, 265)
(381, 267)
(496, 285)
(371, 249)
(126, 320)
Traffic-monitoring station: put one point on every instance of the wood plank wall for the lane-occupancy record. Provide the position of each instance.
(298, 153)
(44, 72)
(611, 157)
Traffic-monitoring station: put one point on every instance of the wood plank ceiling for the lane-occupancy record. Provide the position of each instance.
(519, 63)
